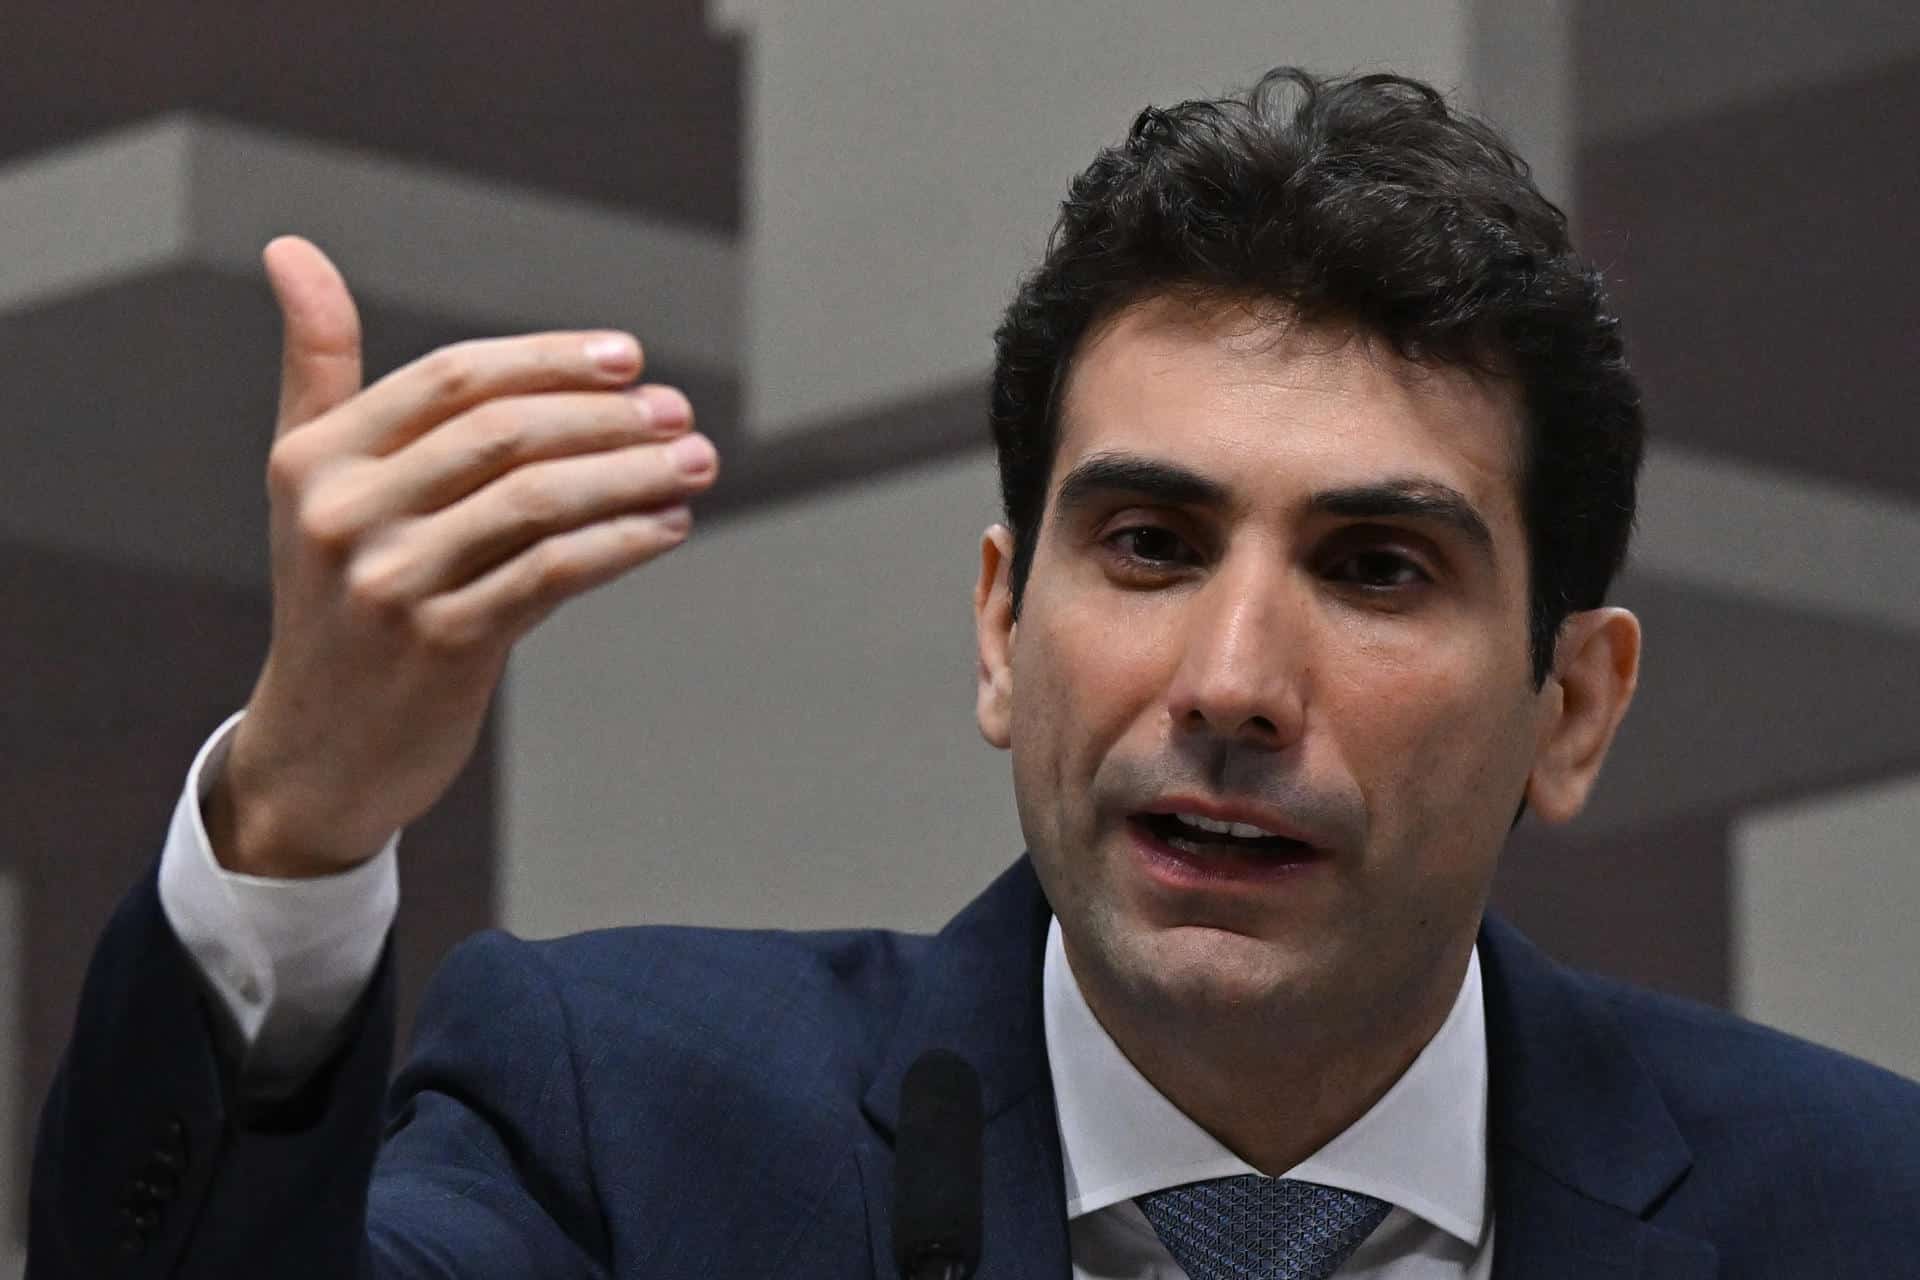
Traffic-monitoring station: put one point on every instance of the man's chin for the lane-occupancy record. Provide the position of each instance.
(1202, 971)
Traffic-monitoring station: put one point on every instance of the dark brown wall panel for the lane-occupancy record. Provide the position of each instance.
(113, 676)
(1649, 906)
(633, 105)
(1763, 260)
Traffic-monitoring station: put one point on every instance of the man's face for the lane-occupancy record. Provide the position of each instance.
(1281, 582)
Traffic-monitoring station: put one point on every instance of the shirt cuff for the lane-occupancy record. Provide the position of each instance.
(287, 960)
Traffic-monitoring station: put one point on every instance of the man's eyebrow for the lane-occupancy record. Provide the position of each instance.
(1412, 498)
(1105, 474)
(1156, 480)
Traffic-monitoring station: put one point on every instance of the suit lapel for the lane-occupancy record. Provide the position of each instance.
(1544, 1228)
(1582, 1146)
(977, 992)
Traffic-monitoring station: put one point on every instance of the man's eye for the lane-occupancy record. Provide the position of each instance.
(1378, 570)
(1151, 544)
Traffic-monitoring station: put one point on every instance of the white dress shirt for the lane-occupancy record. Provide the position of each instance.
(287, 959)
(1422, 1148)
(284, 959)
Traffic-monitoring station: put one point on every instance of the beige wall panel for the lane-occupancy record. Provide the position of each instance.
(904, 161)
(772, 726)
(1521, 77)
(1824, 943)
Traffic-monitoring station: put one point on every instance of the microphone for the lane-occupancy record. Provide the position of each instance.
(936, 1170)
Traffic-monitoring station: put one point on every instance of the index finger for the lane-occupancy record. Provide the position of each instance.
(419, 396)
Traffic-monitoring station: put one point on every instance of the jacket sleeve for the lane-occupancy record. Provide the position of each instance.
(149, 1163)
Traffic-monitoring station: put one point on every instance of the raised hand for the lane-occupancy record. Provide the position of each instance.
(419, 527)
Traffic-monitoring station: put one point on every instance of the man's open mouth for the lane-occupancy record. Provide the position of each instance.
(1191, 833)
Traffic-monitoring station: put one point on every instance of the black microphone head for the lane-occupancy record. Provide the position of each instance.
(936, 1168)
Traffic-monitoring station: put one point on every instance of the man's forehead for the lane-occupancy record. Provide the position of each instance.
(1220, 385)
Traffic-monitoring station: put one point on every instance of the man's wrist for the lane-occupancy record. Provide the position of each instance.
(250, 834)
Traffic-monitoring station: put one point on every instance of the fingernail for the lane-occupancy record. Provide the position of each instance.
(675, 519)
(692, 454)
(665, 407)
(614, 352)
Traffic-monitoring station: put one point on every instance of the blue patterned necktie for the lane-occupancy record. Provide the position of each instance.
(1255, 1228)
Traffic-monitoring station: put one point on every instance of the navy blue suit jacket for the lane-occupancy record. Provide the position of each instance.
(689, 1102)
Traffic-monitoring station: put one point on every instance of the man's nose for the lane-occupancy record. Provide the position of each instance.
(1246, 660)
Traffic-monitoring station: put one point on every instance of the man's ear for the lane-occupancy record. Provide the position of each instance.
(1596, 665)
(993, 632)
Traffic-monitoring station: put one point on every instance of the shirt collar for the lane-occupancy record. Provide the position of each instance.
(1422, 1146)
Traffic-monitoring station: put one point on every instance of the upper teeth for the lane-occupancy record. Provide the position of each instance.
(1245, 830)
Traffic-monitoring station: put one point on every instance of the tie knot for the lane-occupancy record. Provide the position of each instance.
(1254, 1228)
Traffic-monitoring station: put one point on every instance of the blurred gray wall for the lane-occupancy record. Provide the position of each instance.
(812, 214)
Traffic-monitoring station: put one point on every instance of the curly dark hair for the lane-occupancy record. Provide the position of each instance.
(1359, 200)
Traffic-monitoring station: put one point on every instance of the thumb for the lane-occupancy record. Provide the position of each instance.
(320, 351)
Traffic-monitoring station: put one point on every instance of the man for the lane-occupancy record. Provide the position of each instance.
(1318, 453)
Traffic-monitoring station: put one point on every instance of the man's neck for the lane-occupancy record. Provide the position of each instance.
(1271, 1094)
